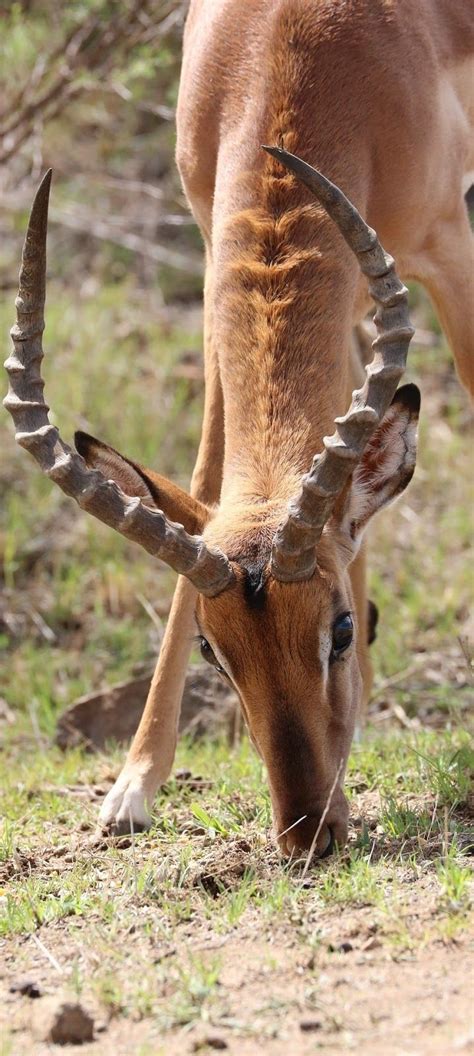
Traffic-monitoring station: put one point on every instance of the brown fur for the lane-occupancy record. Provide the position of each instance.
(375, 94)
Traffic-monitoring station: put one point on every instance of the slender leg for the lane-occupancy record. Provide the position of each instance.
(151, 755)
(447, 271)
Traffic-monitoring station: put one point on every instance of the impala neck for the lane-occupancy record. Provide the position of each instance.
(285, 285)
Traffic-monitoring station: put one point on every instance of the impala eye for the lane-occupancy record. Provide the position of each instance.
(209, 655)
(342, 635)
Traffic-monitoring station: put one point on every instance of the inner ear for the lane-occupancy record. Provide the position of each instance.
(150, 487)
(386, 467)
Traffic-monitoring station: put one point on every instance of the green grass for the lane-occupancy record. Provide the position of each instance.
(134, 925)
(182, 867)
(75, 614)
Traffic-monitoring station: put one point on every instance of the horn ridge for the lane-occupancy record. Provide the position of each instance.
(208, 569)
(294, 544)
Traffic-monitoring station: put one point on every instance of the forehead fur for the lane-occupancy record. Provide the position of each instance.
(269, 631)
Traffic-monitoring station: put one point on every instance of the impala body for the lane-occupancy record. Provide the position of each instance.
(378, 95)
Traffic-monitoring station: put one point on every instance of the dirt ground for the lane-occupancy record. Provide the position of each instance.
(388, 975)
(366, 999)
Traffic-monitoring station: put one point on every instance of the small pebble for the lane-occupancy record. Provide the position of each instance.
(26, 987)
(211, 1042)
(308, 1026)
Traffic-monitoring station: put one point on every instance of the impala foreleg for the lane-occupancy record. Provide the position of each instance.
(151, 755)
(149, 761)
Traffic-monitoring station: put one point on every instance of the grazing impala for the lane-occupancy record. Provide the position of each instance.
(375, 94)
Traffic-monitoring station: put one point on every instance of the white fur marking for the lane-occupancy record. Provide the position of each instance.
(325, 646)
(125, 800)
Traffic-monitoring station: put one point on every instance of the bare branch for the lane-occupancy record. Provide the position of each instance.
(87, 223)
(94, 46)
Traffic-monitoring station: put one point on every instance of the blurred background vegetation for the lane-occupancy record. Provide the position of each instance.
(90, 88)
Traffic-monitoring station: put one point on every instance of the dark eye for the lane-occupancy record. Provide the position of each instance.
(208, 654)
(342, 634)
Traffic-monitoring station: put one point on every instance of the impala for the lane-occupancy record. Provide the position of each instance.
(268, 545)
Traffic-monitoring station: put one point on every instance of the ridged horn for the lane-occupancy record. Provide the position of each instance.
(294, 544)
(208, 569)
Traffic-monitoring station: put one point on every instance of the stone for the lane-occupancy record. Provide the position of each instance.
(309, 1026)
(209, 706)
(62, 1022)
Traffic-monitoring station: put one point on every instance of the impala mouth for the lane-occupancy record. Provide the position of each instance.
(314, 835)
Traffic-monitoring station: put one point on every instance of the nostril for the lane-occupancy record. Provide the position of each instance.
(330, 847)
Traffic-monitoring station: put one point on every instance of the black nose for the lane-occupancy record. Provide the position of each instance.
(330, 846)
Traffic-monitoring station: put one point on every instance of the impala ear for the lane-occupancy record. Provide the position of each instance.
(385, 470)
(134, 479)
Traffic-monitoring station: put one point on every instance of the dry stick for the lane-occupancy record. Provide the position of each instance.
(50, 957)
(33, 716)
(68, 52)
(150, 611)
(70, 91)
(321, 822)
(404, 720)
(97, 55)
(119, 182)
(295, 823)
(67, 55)
(468, 653)
(446, 836)
(399, 676)
(371, 852)
(134, 855)
(128, 240)
(433, 816)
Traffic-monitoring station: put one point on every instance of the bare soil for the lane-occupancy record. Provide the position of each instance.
(358, 978)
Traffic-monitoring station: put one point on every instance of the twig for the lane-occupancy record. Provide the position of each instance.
(321, 822)
(50, 957)
(150, 611)
(433, 816)
(91, 225)
(32, 712)
(94, 46)
(467, 650)
(43, 627)
(121, 183)
(446, 836)
(295, 823)
(134, 854)
(395, 679)
(371, 852)
(404, 720)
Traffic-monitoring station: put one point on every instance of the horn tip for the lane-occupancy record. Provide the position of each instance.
(277, 152)
(42, 195)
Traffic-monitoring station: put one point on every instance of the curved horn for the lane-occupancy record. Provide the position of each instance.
(294, 544)
(209, 570)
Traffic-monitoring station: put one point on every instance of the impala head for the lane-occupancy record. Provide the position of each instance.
(274, 609)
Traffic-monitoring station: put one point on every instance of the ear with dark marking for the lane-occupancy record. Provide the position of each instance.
(385, 470)
(134, 479)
